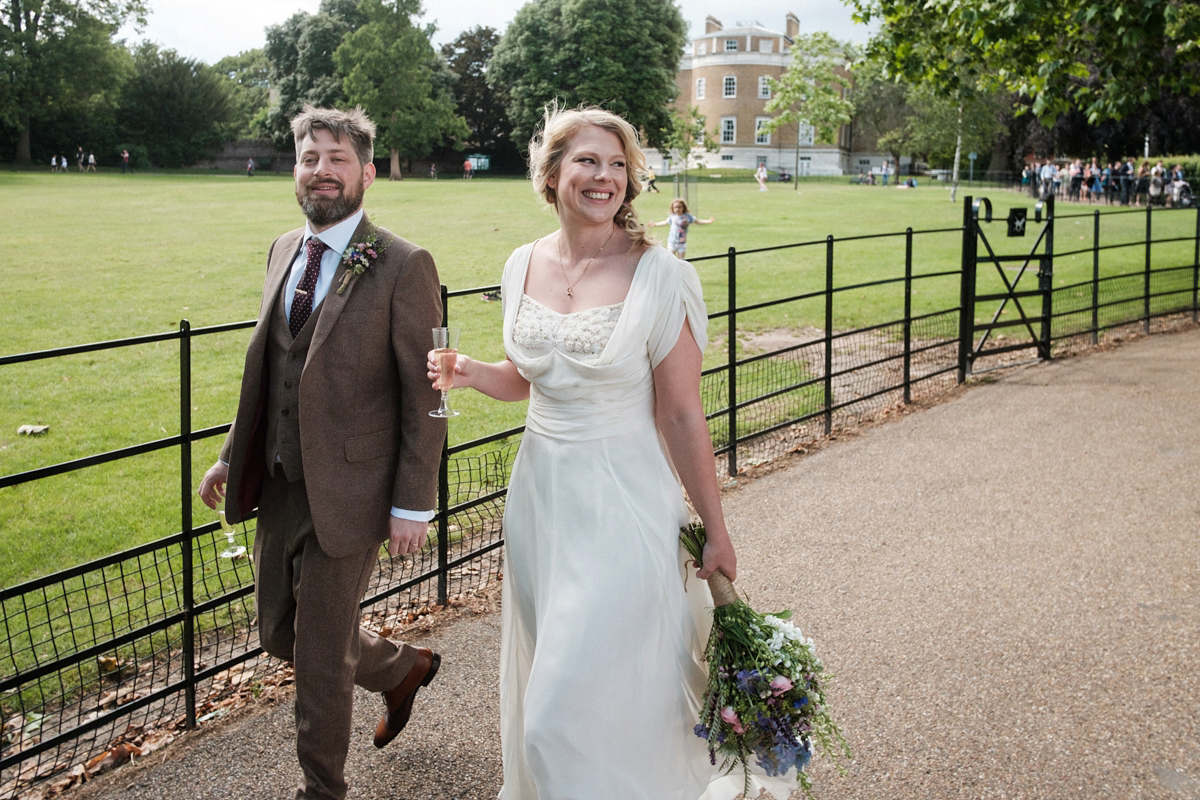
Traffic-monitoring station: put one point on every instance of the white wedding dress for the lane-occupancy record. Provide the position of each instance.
(603, 627)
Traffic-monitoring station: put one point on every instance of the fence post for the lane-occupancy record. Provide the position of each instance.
(966, 302)
(185, 512)
(908, 244)
(443, 511)
(828, 335)
(1146, 292)
(1046, 283)
(1096, 277)
(731, 347)
(1196, 267)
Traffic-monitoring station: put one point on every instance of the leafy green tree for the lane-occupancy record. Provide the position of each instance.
(300, 52)
(685, 138)
(881, 108)
(811, 89)
(393, 72)
(56, 56)
(685, 135)
(934, 130)
(483, 107)
(177, 108)
(622, 54)
(249, 73)
(1108, 57)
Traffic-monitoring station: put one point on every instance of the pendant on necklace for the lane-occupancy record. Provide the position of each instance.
(569, 292)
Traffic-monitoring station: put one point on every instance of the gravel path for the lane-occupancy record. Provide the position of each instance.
(1005, 586)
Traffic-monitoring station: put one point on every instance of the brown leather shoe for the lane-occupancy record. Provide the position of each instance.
(399, 701)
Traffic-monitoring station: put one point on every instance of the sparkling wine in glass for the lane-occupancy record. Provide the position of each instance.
(445, 351)
(232, 549)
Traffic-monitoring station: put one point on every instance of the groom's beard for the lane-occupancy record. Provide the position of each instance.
(329, 210)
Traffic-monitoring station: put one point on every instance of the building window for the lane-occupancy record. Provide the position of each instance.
(766, 45)
(727, 158)
(702, 49)
(761, 136)
(699, 88)
(760, 161)
(807, 134)
(764, 87)
(731, 45)
(730, 86)
(728, 130)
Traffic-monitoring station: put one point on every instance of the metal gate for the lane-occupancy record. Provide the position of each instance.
(1006, 305)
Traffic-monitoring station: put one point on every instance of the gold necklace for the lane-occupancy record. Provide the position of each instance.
(563, 266)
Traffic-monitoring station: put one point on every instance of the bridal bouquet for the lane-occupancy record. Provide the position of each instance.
(766, 687)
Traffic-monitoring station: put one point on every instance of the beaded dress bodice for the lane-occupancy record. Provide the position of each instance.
(581, 335)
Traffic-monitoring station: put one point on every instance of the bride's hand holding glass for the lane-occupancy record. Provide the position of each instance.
(459, 381)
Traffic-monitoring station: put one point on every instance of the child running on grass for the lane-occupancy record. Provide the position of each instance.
(679, 219)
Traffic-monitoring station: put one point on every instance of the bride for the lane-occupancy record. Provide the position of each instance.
(602, 629)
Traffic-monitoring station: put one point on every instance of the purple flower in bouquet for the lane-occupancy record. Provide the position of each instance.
(765, 697)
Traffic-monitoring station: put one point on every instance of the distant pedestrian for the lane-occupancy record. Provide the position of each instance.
(650, 179)
(760, 175)
(468, 169)
(433, 172)
(1047, 178)
(124, 161)
(679, 219)
(54, 163)
(1141, 186)
(91, 162)
(885, 171)
(250, 168)
(80, 158)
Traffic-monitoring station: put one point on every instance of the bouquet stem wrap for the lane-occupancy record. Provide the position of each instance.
(723, 591)
(765, 698)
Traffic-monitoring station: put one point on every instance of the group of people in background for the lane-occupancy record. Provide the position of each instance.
(1121, 182)
(84, 161)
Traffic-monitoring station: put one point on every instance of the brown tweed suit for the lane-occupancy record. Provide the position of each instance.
(366, 443)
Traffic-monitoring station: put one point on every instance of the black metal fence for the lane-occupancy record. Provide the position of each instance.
(129, 648)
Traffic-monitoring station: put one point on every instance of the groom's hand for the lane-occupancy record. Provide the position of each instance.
(212, 485)
(406, 536)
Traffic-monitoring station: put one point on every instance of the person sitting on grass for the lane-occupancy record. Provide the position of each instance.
(679, 219)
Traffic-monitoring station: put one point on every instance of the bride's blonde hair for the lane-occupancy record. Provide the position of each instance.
(549, 145)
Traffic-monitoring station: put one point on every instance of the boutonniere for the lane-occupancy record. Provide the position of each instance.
(360, 257)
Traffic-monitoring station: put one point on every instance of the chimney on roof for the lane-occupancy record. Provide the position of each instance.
(793, 25)
(712, 24)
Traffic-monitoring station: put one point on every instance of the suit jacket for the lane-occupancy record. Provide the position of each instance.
(367, 440)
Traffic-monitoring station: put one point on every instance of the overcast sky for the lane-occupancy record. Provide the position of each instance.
(209, 30)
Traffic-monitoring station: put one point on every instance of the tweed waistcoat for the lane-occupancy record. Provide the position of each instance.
(285, 363)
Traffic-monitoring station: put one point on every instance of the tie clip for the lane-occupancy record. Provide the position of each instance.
(301, 291)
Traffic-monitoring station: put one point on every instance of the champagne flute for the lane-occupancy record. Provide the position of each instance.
(445, 351)
(232, 550)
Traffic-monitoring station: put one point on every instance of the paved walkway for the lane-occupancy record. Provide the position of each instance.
(1006, 586)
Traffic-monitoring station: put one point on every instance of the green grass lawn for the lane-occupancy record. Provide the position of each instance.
(104, 256)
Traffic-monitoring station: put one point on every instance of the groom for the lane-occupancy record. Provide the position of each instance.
(334, 444)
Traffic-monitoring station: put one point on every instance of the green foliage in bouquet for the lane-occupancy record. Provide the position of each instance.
(766, 687)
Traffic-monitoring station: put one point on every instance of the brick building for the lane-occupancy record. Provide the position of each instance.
(725, 75)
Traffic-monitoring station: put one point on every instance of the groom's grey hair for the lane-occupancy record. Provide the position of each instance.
(353, 124)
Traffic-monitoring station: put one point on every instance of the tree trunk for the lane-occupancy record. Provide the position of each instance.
(957, 155)
(22, 154)
(394, 168)
(796, 168)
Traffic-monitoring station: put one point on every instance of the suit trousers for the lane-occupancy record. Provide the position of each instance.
(308, 613)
